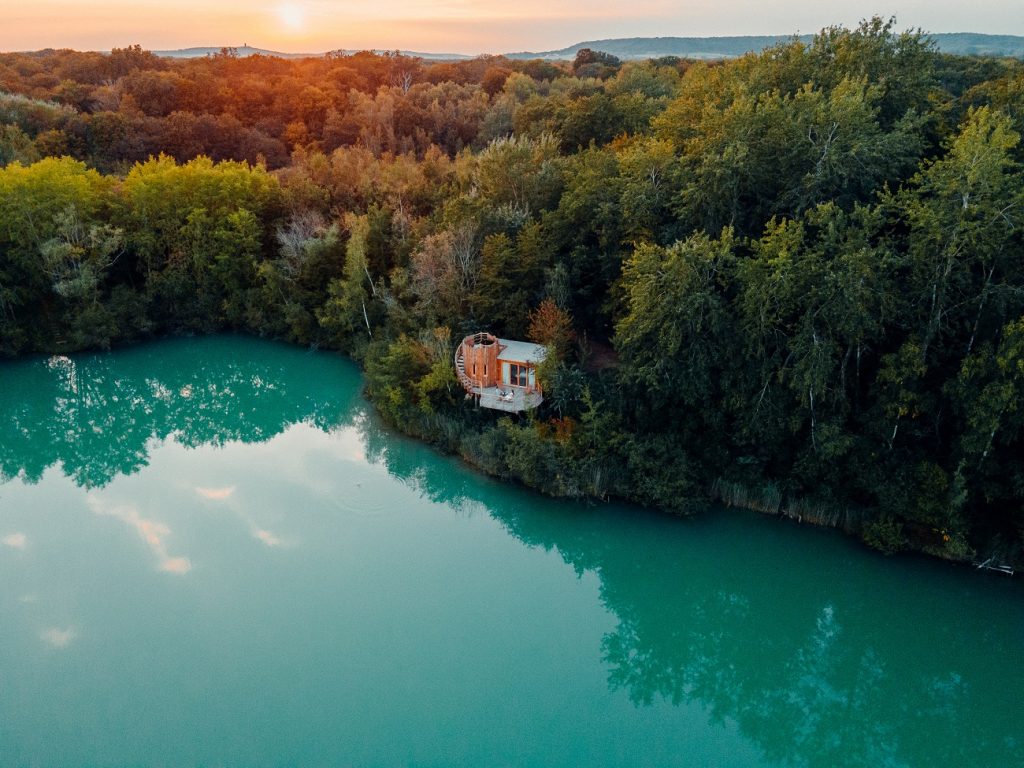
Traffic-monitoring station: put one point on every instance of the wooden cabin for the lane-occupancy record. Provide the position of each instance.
(500, 373)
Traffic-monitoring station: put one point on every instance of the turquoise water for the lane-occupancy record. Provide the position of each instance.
(212, 553)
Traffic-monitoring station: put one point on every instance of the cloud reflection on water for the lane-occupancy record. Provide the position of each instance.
(153, 532)
(227, 494)
(267, 538)
(15, 540)
(58, 638)
(216, 494)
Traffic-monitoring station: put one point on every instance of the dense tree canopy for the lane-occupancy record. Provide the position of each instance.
(792, 281)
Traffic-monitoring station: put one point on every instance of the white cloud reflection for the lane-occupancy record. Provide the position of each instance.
(267, 537)
(15, 540)
(216, 494)
(58, 638)
(226, 494)
(152, 532)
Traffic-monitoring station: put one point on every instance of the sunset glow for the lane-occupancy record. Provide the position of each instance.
(458, 26)
(292, 16)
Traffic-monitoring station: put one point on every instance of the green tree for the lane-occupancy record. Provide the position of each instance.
(675, 326)
(964, 212)
(36, 203)
(77, 259)
(16, 146)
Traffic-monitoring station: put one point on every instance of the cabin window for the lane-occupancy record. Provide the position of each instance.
(485, 370)
(518, 375)
(506, 375)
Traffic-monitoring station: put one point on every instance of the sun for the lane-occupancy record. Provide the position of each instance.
(292, 15)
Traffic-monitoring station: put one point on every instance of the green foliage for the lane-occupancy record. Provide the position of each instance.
(16, 146)
(590, 63)
(964, 213)
(438, 387)
(344, 314)
(885, 535)
(77, 260)
(646, 78)
(779, 154)
(790, 280)
(52, 246)
(663, 473)
(675, 322)
(393, 370)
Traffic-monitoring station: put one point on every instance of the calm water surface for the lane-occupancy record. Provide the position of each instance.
(211, 553)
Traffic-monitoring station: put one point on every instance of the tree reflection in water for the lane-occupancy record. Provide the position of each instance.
(822, 654)
(95, 415)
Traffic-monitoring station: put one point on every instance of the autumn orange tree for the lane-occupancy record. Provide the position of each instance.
(551, 326)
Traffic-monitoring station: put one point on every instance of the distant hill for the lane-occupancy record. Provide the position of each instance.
(241, 50)
(963, 43)
(247, 50)
(971, 44)
(654, 47)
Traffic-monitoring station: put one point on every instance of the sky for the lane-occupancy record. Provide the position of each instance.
(456, 26)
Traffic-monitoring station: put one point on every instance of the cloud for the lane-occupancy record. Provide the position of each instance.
(15, 540)
(58, 638)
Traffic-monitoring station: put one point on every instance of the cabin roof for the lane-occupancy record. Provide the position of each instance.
(521, 351)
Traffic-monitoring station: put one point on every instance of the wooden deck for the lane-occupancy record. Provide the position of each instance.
(514, 399)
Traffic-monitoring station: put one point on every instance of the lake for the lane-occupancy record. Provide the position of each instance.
(213, 553)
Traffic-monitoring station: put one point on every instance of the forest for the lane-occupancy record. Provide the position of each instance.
(791, 281)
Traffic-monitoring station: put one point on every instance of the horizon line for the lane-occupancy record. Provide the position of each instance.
(441, 54)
